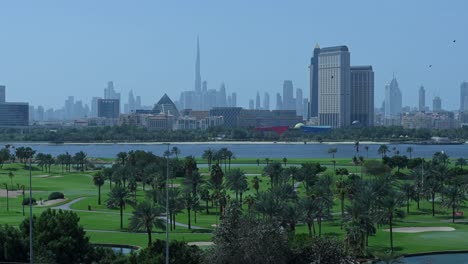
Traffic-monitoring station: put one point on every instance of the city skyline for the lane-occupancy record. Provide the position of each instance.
(143, 57)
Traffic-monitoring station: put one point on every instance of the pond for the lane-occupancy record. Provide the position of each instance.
(440, 258)
(124, 249)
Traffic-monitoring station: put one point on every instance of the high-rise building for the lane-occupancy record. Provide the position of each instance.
(279, 102)
(2, 94)
(266, 101)
(109, 92)
(14, 114)
(251, 104)
(288, 96)
(334, 86)
(69, 107)
(299, 102)
(464, 96)
(197, 69)
(393, 99)
(362, 95)
(138, 102)
(94, 106)
(422, 99)
(437, 104)
(131, 102)
(305, 106)
(257, 101)
(313, 85)
(108, 108)
(221, 96)
(234, 99)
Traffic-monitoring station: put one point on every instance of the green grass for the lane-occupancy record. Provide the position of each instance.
(102, 224)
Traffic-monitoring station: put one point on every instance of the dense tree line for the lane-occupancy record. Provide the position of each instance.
(135, 134)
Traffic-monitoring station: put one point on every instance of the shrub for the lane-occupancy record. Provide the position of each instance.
(26, 201)
(56, 195)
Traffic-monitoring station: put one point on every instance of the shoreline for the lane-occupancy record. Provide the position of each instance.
(206, 143)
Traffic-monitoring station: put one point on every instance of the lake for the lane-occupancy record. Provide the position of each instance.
(247, 150)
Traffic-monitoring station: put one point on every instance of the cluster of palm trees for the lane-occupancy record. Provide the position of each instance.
(223, 155)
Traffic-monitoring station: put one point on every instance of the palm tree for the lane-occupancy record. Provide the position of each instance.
(454, 198)
(267, 160)
(118, 197)
(7, 203)
(410, 151)
(145, 216)
(461, 162)
(273, 170)
(11, 176)
(258, 162)
(256, 183)
(176, 151)
(408, 190)
(122, 158)
(98, 180)
(383, 149)
(237, 182)
(356, 147)
(208, 155)
(332, 151)
(285, 161)
(205, 196)
(367, 151)
(190, 202)
(22, 187)
(230, 156)
(389, 210)
(342, 190)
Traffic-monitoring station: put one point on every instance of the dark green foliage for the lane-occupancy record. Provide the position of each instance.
(13, 246)
(319, 250)
(26, 201)
(55, 196)
(179, 252)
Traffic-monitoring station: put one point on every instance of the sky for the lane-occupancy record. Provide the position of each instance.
(52, 49)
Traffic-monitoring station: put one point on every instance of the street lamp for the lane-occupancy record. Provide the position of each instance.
(167, 202)
(31, 254)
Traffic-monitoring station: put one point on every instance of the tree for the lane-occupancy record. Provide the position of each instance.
(273, 170)
(256, 183)
(230, 156)
(4, 156)
(13, 245)
(11, 176)
(118, 197)
(237, 182)
(176, 151)
(408, 190)
(285, 161)
(122, 158)
(98, 180)
(389, 210)
(383, 150)
(80, 159)
(145, 217)
(205, 196)
(267, 161)
(59, 238)
(208, 155)
(332, 151)
(342, 189)
(258, 162)
(454, 197)
(461, 162)
(367, 151)
(179, 252)
(410, 151)
(7, 198)
(190, 202)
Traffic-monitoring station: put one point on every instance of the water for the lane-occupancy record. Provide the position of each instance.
(248, 150)
(123, 250)
(448, 258)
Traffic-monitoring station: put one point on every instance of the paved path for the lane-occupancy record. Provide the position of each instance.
(68, 205)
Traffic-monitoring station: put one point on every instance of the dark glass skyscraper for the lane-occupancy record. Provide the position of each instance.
(313, 68)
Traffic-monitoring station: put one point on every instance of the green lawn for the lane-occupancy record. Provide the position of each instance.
(102, 224)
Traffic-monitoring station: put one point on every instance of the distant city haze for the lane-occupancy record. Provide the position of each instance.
(54, 49)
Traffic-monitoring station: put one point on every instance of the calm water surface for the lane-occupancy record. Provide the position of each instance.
(248, 150)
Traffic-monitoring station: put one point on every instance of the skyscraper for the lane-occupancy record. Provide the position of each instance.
(422, 99)
(257, 101)
(131, 102)
(313, 85)
(437, 104)
(334, 86)
(234, 99)
(251, 104)
(221, 96)
(94, 106)
(288, 96)
(362, 95)
(197, 69)
(138, 102)
(464, 96)
(266, 101)
(109, 92)
(393, 99)
(299, 102)
(2, 94)
(279, 102)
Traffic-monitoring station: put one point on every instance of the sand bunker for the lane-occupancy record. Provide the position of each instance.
(200, 244)
(11, 194)
(41, 176)
(421, 229)
(49, 202)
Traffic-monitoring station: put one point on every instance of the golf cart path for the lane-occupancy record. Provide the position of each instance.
(67, 207)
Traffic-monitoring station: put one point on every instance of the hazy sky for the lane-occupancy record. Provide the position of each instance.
(52, 49)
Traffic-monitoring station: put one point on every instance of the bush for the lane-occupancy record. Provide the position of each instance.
(56, 195)
(26, 201)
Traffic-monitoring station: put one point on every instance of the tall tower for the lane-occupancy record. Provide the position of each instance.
(288, 96)
(393, 99)
(436, 104)
(422, 99)
(279, 102)
(362, 95)
(197, 69)
(313, 69)
(257, 101)
(266, 101)
(464, 96)
(299, 102)
(334, 86)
